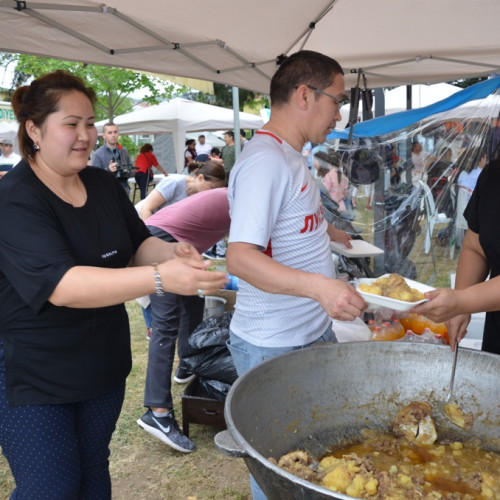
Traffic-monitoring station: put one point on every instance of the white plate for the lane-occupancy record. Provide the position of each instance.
(378, 301)
(360, 248)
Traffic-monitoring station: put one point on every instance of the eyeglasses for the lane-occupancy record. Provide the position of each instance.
(5, 145)
(339, 102)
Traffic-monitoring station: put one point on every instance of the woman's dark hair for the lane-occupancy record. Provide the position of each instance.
(215, 151)
(41, 98)
(146, 148)
(304, 67)
(211, 171)
(190, 142)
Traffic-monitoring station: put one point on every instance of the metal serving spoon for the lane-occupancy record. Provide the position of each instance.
(448, 407)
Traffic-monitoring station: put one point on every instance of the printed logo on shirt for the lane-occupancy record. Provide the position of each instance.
(313, 221)
(107, 255)
(304, 187)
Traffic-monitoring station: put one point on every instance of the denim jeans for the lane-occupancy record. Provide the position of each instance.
(246, 356)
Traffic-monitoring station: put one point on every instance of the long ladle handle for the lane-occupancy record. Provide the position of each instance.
(453, 366)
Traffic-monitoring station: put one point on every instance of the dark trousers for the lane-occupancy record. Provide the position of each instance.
(142, 180)
(59, 452)
(175, 317)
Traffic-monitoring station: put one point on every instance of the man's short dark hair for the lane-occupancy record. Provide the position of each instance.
(200, 136)
(108, 124)
(243, 133)
(303, 67)
(230, 133)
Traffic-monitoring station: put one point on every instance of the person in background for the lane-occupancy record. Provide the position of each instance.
(176, 187)
(190, 156)
(279, 240)
(201, 220)
(215, 156)
(478, 261)
(72, 251)
(243, 138)
(476, 158)
(420, 160)
(9, 157)
(228, 152)
(144, 164)
(203, 148)
(334, 179)
(114, 157)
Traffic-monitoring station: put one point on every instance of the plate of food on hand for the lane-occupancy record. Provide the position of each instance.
(392, 291)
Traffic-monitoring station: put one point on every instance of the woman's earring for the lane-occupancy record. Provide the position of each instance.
(36, 147)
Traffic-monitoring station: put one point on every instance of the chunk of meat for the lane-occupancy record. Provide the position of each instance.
(414, 422)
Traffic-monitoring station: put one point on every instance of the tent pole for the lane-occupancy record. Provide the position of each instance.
(236, 110)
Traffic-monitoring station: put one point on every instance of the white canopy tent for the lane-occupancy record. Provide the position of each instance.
(393, 43)
(179, 116)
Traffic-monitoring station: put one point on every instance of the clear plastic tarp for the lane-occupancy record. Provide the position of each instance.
(405, 191)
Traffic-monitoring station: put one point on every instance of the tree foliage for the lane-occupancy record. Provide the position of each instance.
(223, 96)
(112, 85)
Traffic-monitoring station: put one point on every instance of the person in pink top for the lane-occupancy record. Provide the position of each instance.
(201, 219)
(333, 179)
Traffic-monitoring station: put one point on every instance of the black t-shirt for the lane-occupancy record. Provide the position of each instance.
(60, 354)
(482, 218)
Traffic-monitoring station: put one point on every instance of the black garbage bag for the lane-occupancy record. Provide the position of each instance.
(215, 389)
(209, 357)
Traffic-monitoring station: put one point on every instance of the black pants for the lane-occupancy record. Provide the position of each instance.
(142, 180)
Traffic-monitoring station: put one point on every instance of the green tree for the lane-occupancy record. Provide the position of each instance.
(223, 96)
(112, 85)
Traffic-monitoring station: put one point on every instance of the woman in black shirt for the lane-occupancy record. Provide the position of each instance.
(72, 251)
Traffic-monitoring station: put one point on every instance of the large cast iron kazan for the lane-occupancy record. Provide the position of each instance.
(317, 397)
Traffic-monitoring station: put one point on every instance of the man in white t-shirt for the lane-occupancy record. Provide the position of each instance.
(279, 240)
(9, 158)
(202, 147)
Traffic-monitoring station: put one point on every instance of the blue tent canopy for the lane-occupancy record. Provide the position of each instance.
(391, 123)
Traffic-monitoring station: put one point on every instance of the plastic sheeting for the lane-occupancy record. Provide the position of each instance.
(417, 218)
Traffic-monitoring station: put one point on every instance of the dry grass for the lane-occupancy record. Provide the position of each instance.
(142, 467)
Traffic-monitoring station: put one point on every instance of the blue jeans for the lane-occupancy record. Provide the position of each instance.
(59, 451)
(147, 313)
(246, 356)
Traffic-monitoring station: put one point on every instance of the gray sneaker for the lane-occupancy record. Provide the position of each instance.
(167, 430)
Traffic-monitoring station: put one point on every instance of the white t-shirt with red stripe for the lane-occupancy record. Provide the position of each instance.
(275, 204)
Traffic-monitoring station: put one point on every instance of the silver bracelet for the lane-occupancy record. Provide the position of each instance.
(158, 283)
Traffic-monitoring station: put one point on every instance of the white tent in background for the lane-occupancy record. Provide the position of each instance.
(179, 116)
(421, 96)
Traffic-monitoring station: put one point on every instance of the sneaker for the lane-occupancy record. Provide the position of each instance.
(183, 375)
(209, 255)
(167, 430)
(148, 333)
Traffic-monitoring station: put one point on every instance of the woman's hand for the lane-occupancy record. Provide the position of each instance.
(457, 329)
(188, 276)
(184, 250)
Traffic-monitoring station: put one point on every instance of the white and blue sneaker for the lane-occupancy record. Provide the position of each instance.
(167, 430)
